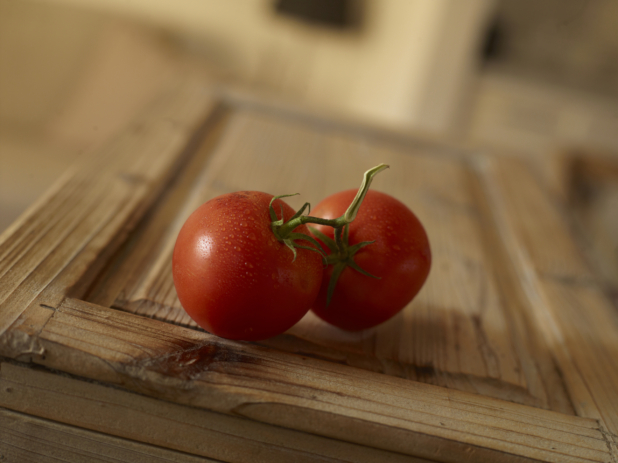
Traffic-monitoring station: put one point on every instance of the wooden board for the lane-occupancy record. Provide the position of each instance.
(507, 354)
(593, 199)
(29, 439)
(123, 418)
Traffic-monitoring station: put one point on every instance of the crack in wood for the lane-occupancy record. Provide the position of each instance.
(611, 441)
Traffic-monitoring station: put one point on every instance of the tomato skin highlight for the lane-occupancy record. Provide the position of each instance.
(234, 278)
(400, 256)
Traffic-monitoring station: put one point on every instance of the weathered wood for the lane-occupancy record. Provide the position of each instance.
(507, 354)
(458, 333)
(24, 438)
(564, 297)
(54, 244)
(593, 201)
(349, 404)
(166, 425)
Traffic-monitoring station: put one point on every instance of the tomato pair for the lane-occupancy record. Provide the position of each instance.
(239, 279)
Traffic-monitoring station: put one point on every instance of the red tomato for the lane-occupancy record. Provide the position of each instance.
(400, 256)
(234, 278)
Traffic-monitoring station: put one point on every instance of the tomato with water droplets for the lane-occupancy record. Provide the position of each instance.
(234, 278)
(399, 257)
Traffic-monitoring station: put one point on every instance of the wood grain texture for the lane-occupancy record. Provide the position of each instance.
(565, 298)
(63, 235)
(507, 354)
(308, 395)
(198, 432)
(26, 439)
(593, 200)
(458, 333)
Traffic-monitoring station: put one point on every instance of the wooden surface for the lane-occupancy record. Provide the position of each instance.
(122, 418)
(313, 396)
(507, 354)
(593, 199)
(26, 439)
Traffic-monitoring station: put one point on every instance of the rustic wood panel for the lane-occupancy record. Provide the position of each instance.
(167, 425)
(64, 235)
(25, 439)
(309, 395)
(511, 321)
(593, 200)
(565, 298)
(458, 333)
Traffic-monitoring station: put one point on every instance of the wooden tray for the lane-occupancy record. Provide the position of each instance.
(507, 354)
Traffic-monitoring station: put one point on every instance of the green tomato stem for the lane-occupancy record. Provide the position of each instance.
(282, 231)
(341, 245)
(350, 214)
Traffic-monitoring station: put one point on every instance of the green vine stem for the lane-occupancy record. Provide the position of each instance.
(342, 256)
(284, 231)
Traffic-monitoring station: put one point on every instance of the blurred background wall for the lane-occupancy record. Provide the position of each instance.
(380, 61)
(525, 76)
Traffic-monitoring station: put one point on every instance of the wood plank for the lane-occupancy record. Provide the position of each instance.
(49, 251)
(564, 297)
(166, 425)
(511, 310)
(593, 201)
(308, 395)
(24, 438)
(152, 242)
(458, 333)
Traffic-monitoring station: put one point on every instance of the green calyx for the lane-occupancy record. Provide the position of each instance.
(286, 235)
(342, 255)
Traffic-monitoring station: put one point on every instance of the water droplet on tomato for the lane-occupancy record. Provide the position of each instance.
(252, 236)
(243, 224)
